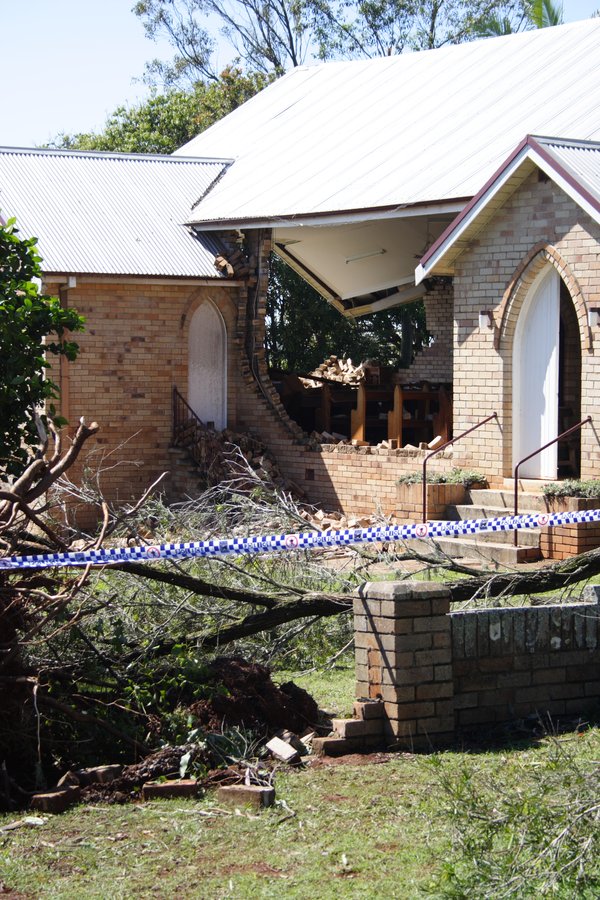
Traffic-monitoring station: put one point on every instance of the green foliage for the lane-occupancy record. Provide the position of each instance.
(466, 477)
(27, 319)
(275, 35)
(529, 14)
(544, 13)
(530, 829)
(303, 329)
(164, 122)
(572, 487)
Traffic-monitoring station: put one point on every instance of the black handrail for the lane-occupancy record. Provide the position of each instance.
(535, 453)
(494, 415)
(183, 416)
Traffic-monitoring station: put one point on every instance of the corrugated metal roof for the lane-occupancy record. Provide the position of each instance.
(418, 128)
(573, 165)
(581, 160)
(110, 214)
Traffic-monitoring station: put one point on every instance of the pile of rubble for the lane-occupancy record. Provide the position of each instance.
(326, 437)
(242, 716)
(223, 455)
(338, 369)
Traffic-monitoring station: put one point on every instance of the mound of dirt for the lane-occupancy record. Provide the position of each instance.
(242, 693)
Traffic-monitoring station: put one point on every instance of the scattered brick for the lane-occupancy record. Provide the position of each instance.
(187, 787)
(56, 801)
(246, 795)
(282, 750)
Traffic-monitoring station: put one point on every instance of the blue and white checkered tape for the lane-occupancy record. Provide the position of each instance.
(305, 540)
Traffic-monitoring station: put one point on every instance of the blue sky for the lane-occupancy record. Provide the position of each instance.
(67, 64)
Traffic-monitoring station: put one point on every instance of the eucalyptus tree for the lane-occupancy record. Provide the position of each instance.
(272, 36)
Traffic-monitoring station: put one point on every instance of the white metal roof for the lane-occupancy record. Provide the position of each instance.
(573, 165)
(578, 162)
(385, 134)
(110, 214)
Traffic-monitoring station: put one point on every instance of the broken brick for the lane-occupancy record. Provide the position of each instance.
(246, 795)
(282, 750)
(185, 787)
(56, 801)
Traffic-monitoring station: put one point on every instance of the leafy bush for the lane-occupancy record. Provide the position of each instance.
(572, 487)
(466, 477)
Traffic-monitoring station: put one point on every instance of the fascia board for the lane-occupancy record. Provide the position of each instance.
(327, 219)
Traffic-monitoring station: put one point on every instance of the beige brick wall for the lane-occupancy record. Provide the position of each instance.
(440, 674)
(538, 224)
(133, 350)
(434, 363)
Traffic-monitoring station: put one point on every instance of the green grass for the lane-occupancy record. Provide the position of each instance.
(355, 831)
(333, 689)
(389, 829)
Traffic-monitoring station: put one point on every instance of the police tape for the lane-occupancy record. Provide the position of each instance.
(306, 540)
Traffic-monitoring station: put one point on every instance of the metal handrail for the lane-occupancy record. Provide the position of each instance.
(179, 421)
(535, 453)
(494, 415)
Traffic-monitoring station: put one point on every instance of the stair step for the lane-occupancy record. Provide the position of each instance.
(475, 549)
(496, 499)
(526, 538)
(462, 512)
(474, 511)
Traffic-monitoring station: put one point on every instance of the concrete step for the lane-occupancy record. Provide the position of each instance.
(475, 549)
(459, 513)
(496, 499)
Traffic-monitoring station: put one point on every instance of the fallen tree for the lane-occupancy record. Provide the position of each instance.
(115, 651)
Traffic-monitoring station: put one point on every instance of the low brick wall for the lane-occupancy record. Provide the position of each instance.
(439, 496)
(440, 674)
(569, 540)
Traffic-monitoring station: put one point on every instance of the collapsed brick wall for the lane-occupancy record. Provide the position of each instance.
(440, 674)
(354, 480)
(135, 348)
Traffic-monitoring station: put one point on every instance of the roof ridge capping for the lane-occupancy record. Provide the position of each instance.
(111, 154)
(538, 150)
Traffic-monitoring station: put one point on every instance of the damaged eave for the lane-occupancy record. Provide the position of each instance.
(327, 218)
(441, 256)
(398, 298)
(317, 283)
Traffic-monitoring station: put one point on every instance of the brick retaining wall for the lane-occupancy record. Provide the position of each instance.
(442, 673)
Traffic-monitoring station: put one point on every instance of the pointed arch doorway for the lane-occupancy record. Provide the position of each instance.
(546, 379)
(207, 366)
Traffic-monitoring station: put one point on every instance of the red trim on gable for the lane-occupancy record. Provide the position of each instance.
(473, 202)
(564, 173)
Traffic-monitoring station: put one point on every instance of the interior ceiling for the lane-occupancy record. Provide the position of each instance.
(356, 263)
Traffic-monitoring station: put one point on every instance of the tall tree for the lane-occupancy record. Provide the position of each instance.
(271, 36)
(267, 36)
(33, 326)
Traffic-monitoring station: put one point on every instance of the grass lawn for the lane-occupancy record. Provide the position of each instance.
(352, 830)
